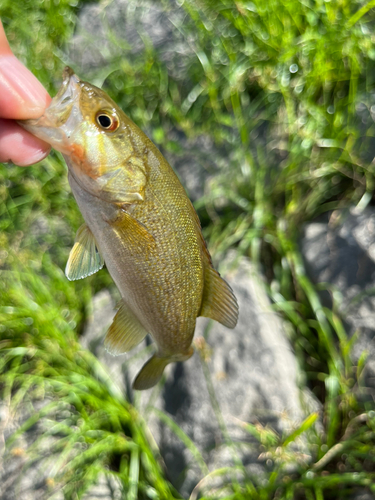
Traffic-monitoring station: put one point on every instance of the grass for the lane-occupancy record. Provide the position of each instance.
(285, 89)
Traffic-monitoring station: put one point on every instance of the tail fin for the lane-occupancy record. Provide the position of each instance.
(150, 373)
(152, 370)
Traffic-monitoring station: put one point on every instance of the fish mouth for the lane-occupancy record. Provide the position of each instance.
(62, 116)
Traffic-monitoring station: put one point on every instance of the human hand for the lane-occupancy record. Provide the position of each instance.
(22, 96)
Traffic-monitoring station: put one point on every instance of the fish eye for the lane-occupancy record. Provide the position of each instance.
(107, 120)
(104, 121)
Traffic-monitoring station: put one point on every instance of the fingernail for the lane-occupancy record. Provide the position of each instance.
(19, 146)
(35, 158)
(20, 85)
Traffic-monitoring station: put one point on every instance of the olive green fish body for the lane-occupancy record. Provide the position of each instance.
(139, 222)
(161, 282)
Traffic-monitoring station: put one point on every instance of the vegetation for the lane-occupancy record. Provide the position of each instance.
(286, 90)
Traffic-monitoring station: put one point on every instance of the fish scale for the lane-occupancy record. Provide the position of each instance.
(139, 222)
(179, 275)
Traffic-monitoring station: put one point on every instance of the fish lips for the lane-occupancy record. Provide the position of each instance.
(62, 116)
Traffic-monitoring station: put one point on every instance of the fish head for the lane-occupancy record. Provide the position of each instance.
(95, 137)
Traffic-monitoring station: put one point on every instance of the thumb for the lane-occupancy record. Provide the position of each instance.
(22, 96)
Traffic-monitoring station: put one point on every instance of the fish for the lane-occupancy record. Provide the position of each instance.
(139, 222)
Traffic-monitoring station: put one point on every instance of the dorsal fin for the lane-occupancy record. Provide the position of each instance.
(84, 258)
(205, 253)
(219, 302)
(125, 331)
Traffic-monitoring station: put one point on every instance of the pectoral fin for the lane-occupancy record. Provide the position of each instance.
(84, 258)
(150, 373)
(133, 232)
(125, 332)
(219, 302)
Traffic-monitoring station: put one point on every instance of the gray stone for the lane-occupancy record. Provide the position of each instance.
(28, 466)
(108, 32)
(23, 472)
(248, 374)
(340, 251)
(106, 488)
(197, 162)
(362, 495)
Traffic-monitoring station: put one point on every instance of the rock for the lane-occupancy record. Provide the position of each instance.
(28, 465)
(197, 161)
(24, 473)
(108, 32)
(248, 374)
(362, 495)
(340, 251)
(252, 376)
(106, 488)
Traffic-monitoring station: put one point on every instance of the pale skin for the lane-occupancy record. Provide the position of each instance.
(22, 96)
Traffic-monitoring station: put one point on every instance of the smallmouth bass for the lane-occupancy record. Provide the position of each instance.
(139, 222)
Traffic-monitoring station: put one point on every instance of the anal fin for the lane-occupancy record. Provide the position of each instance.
(125, 331)
(219, 302)
(84, 258)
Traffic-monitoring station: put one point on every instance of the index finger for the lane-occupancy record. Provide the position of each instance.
(22, 96)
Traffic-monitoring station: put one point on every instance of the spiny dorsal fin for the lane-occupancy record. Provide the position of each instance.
(84, 258)
(219, 302)
(125, 332)
(150, 373)
(205, 253)
(133, 232)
